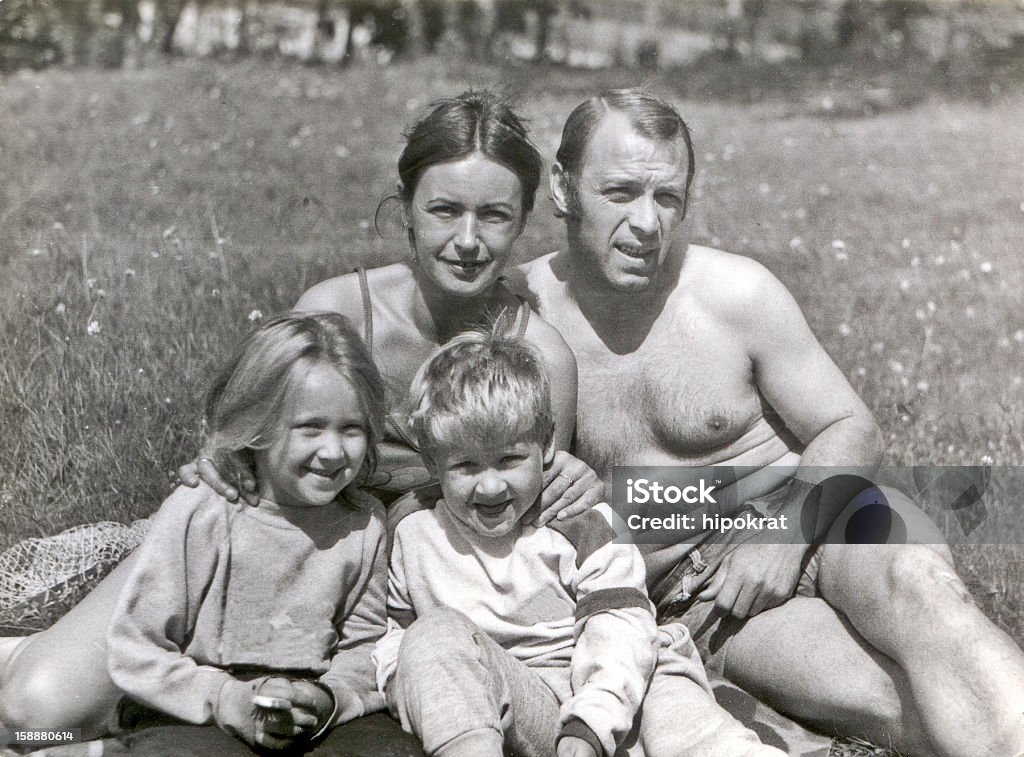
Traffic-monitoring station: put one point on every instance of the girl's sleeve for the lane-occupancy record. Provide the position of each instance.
(351, 676)
(400, 616)
(156, 612)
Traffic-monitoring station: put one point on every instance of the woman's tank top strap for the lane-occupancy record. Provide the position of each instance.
(364, 289)
(523, 317)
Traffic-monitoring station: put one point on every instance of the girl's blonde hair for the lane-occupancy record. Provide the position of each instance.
(247, 399)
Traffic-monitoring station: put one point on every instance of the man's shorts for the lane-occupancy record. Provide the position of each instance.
(711, 630)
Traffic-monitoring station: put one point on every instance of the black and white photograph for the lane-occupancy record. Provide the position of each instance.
(544, 378)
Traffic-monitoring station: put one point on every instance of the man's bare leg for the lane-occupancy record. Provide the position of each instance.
(807, 661)
(966, 675)
(58, 678)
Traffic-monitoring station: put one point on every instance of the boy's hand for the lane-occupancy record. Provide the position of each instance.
(574, 746)
(203, 469)
(570, 487)
(311, 707)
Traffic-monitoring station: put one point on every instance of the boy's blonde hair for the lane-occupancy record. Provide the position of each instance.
(245, 403)
(483, 387)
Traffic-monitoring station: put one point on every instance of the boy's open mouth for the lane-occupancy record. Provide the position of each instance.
(492, 511)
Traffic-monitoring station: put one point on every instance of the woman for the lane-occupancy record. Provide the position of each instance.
(468, 178)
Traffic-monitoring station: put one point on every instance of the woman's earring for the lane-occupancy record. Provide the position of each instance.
(412, 240)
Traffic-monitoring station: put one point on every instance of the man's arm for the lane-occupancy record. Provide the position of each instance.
(811, 395)
(802, 383)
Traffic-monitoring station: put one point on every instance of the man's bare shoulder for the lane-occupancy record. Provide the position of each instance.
(726, 282)
(538, 271)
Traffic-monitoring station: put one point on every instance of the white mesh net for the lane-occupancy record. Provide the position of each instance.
(41, 579)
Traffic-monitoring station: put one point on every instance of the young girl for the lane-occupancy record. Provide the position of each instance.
(261, 620)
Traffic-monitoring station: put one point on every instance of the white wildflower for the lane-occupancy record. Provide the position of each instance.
(93, 328)
(255, 315)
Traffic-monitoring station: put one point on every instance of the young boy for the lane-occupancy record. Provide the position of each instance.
(504, 637)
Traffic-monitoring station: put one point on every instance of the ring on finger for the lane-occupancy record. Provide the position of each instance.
(567, 478)
(205, 460)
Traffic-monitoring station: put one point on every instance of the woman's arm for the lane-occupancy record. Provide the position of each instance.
(570, 485)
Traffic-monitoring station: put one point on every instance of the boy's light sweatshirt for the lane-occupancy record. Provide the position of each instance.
(564, 595)
(219, 586)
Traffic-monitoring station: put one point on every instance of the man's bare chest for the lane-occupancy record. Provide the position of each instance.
(685, 388)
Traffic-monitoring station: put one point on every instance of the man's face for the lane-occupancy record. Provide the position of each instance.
(629, 198)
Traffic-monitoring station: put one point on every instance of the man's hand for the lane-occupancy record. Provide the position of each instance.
(574, 746)
(311, 707)
(570, 487)
(754, 577)
(203, 469)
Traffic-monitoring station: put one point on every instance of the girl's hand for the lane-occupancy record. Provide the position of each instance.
(312, 706)
(570, 487)
(203, 469)
(257, 712)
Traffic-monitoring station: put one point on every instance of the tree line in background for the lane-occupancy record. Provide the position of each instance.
(116, 33)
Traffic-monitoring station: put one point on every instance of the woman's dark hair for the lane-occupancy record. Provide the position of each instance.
(474, 121)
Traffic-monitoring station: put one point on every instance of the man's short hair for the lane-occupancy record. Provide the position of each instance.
(481, 388)
(648, 114)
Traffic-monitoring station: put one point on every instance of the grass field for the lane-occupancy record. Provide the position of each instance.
(147, 216)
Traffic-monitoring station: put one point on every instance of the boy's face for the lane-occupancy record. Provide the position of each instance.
(490, 488)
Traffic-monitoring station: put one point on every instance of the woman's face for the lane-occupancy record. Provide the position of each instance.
(464, 217)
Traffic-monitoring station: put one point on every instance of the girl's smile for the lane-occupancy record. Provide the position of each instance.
(320, 443)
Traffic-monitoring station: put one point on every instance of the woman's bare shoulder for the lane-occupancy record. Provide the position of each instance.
(547, 339)
(342, 294)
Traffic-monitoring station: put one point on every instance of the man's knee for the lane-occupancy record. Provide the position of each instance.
(921, 575)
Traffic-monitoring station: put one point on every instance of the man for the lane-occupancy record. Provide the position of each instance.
(693, 356)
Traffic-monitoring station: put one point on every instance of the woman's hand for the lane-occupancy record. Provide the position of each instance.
(570, 487)
(203, 469)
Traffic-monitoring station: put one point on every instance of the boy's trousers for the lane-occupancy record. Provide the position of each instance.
(463, 694)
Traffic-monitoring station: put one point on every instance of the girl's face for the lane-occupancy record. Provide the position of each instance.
(319, 445)
(464, 217)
